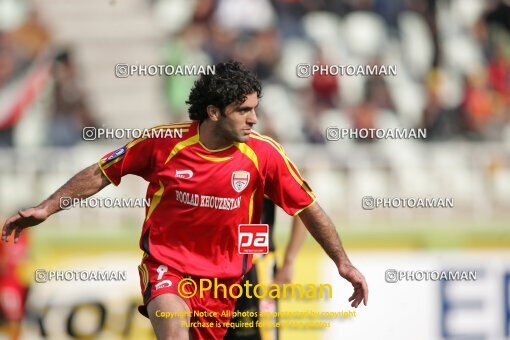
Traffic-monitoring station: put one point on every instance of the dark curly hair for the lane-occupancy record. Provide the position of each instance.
(231, 82)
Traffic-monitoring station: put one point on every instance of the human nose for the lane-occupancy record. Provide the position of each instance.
(252, 117)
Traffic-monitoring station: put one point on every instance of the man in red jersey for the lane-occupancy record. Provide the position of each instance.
(205, 180)
(13, 290)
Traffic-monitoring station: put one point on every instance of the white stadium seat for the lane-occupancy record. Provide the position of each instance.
(417, 45)
(365, 34)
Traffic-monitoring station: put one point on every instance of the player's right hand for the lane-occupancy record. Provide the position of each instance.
(23, 219)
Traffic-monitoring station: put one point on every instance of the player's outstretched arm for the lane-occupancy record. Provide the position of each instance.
(82, 185)
(297, 238)
(323, 230)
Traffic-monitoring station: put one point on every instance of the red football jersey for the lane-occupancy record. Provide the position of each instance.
(198, 197)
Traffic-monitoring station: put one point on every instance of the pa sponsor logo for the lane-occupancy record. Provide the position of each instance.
(185, 174)
(240, 180)
(253, 239)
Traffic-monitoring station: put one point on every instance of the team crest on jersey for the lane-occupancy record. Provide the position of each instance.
(240, 180)
(116, 154)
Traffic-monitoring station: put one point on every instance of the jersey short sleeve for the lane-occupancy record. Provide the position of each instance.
(284, 184)
(133, 158)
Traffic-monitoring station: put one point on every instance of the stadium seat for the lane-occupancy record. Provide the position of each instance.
(462, 53)
(387, 120)
(324, 29)
(333, 117)
(173, 15)
(452, 171)
(365, 34)
(502, 187)
(286, 116)
(415, 181)
(352, 89)
(364, 180)
(12, 14)
(417, 45)
(295, 51)
(409, 99)
(331, 187)
(467, 12)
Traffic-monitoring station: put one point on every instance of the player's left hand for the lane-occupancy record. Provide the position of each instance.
(351, 274)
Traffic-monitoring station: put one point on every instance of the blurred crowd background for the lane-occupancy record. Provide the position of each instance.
(452, 57)
(453, 79)
(57, 61)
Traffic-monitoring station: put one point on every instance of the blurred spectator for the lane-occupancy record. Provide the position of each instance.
(325, 87)
(7, 70)
(31, 38)
(70, 113)
(13, 291)
(7, 62)
(204, 11)
(478, 104)
(499, 74)
(185, 48)
(260, 32)
(19, 48)
(260, 52)
(499, 14)
(390, 10)
(377, 99)
(219, 42)
(364, 116)
(290, 13)
(439, 121)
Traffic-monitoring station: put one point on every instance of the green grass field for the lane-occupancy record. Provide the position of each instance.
(495, 235)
